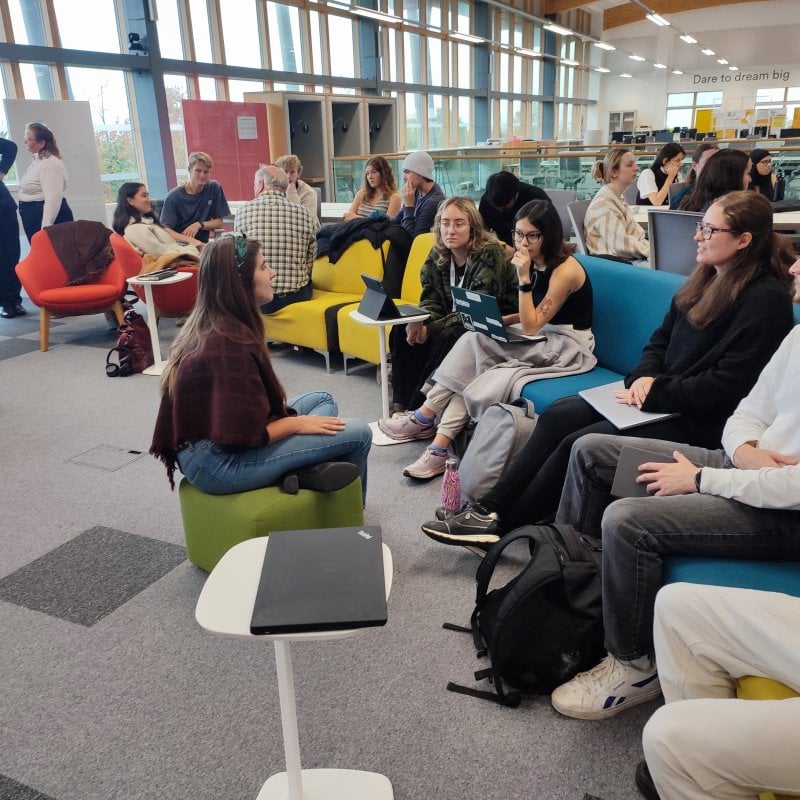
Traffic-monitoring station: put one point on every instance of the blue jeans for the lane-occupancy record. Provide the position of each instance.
(217, 470)
(637, 532)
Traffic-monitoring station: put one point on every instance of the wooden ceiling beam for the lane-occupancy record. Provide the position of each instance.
(627, 13)
(561, 6)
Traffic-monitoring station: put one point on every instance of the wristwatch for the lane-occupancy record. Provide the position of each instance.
(525, 287)
(697, 479)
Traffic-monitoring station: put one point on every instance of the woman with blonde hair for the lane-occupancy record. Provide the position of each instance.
(609, 228)
(464, 254)
(224, 419)
(43, 186)
(378, 193)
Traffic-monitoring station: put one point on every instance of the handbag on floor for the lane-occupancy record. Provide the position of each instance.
(546, 624)
(134, 351)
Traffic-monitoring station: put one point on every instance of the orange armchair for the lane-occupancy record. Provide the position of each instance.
(170, 301)
(42, 276)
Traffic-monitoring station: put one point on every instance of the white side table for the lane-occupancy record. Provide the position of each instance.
(152, 322)
(226, 606)
(381, 325)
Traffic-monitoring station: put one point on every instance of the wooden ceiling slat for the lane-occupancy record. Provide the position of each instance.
(561, 6)
(626, 13)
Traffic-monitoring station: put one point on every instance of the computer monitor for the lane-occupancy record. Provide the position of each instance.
(790, 133)
(761, 131)
(627, 138)
(744, 133)
(676, 129)
(691, 133)
(663, 136)
(640, 138)
(618, 136)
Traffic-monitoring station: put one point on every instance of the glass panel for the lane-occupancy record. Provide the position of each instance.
(412, 57)
(535, 131)
(392, 39)
(681, 99)
(411, 10)
(709, 99)
(464, 121)
(27, 27)
(99, 34)
(502, 77)
(516, 71)
(37, 82)
(517, 128)
(464, 52)
(435, 76)
(536, 76)
(176, 90)
(340, 36)
(503, 119)
(240, 33)
(169, 29)
(201, 31)
(106, 92)
(316, 43)
(793, 93)
(413, 122)
(505, 33)
(236, 89)
(283, 23)
(208, 88)
(435, 121)
(769, 95)
(434, 13)
(679, 118)
(464, 10)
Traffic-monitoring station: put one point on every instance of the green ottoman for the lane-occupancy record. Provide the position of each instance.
(213, 523)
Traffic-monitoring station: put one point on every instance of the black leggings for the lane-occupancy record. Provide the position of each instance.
(530, 488)
(31, 214)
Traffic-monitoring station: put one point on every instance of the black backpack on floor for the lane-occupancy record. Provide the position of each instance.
(546, 624)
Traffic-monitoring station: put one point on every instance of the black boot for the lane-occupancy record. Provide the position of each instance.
(329, 476)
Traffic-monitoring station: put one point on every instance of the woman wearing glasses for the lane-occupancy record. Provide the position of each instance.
(723, 325)
(762, 179)
(609, 227)
(464, 254)
(224, 418)
(552, 290)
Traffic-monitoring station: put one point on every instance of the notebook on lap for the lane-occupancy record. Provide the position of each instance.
(480, 312)
(325, 579)
(602, 400)
(376, 303)
(630, 458)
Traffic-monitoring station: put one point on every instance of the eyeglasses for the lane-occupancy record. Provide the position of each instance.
(707, 231)
(458, 225)
(530, 238)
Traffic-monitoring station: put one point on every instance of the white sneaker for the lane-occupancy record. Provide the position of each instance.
(430, 464)
(605, 690)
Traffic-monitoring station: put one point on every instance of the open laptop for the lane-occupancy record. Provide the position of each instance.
(480, 312)
(325, 579)
(376, 303)
(602, 400)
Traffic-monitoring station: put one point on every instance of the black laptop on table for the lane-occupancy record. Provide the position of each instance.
(324, 579)
(376, 303)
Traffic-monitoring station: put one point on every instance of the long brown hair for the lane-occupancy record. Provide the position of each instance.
(225, 292)
(388, 186)
(43, 134)
(479, 237)
(707, 294)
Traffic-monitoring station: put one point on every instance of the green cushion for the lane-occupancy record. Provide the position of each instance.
(213, 523)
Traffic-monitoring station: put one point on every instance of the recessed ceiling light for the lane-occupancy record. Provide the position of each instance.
(525, 51)
(604, 45)
(660, 66)
(625, 75)
(722, 61)
(708, 52)
(677, 72)
(657, 19)
(369, 13)
(734, 69)
(570, 62)
(634, 57)
(602, 69)
(468, 38)
(689, 39)
(553, 28)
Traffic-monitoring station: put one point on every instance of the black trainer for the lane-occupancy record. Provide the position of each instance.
(328, 476)
(472, 525)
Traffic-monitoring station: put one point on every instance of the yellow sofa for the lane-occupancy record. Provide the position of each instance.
(312, 323)
(360, 341)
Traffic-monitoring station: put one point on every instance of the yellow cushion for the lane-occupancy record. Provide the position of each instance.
(345, 275)
(751, 687)
(412, 285)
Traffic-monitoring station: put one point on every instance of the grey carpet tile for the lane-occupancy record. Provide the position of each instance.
(11, 790)
(9, 348)
(92, 575)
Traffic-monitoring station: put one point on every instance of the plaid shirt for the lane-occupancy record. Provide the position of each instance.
(287, 234)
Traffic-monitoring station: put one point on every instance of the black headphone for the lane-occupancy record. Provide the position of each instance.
(125, 366)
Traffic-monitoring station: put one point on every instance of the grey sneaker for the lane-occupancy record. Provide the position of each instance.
(430, 464)
(468, 526)
(406, 428)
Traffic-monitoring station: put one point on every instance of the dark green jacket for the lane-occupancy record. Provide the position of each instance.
(488, 271)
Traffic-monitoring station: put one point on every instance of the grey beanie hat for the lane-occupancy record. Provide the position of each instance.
(419, 162)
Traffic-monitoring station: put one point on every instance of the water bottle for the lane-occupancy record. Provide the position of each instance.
(451, 486)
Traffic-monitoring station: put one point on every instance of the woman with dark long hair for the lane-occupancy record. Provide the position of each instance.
(654, 182)
(723, 326)
(726, 171)
(224, 418)
(700, 157)
(378, 192)
(762, 179)
(135, 219)
(553, 290)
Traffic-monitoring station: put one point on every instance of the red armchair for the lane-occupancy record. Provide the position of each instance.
(43, 275)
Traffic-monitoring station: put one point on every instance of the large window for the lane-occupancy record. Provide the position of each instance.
(341, 43)
(682, 107)
(240, 33)
(89, 25)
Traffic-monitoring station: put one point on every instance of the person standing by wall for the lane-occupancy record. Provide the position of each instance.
(10, 297)
(42, 188)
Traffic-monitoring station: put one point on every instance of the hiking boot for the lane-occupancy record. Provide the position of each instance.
(430, 464)
(606, 690)
(327, 476)
(472, 525)
(406, 428)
